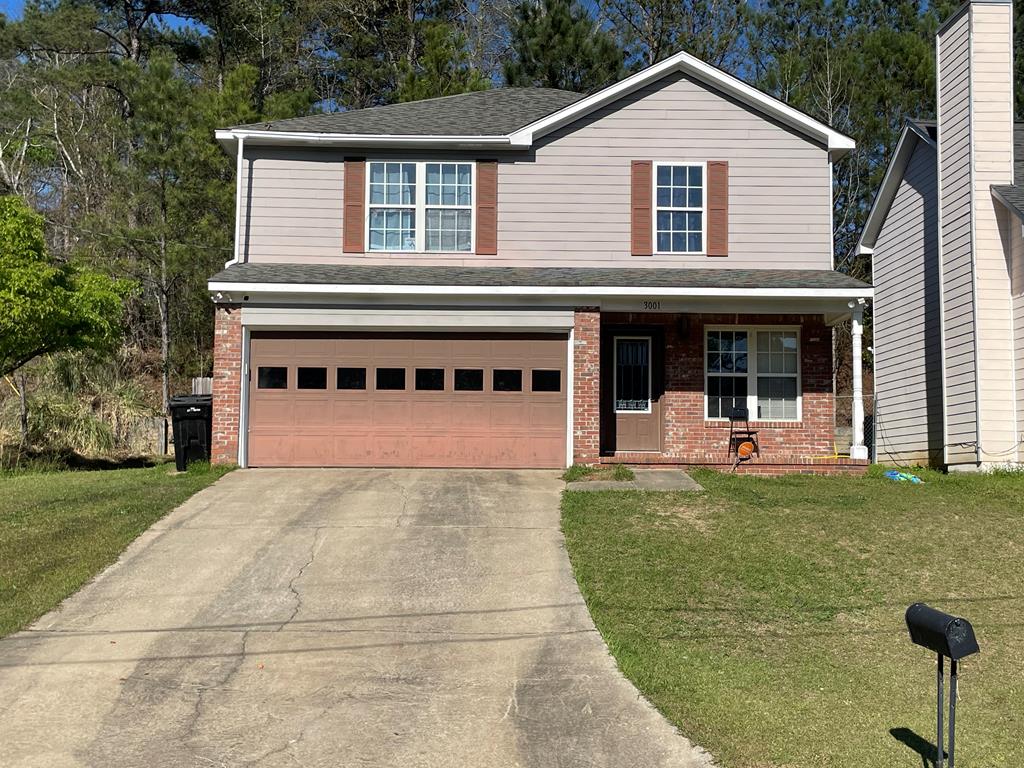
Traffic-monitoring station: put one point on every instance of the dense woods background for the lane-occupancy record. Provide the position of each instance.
(108, 107)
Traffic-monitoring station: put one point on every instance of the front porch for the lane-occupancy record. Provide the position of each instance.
(657, 388)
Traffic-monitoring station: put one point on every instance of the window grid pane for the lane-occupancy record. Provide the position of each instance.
(679, 197)
(449, 228)
(777, 365)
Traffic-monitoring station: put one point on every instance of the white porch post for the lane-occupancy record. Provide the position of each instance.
(858, 450)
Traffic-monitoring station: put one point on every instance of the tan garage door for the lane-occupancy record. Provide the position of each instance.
(425, 400)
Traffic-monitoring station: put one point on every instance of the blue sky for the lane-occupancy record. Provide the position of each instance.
(12, 10)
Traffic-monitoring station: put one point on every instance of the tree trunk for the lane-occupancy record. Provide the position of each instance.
(23, 398)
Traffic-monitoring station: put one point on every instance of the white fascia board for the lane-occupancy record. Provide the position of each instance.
(838, 143)
(228, 136)
(905, 147)
(568, 291)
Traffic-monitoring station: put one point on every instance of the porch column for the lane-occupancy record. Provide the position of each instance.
(858, 450)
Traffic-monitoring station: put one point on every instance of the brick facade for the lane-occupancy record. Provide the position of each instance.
(689, 438)
(586, 393)
(227, 380)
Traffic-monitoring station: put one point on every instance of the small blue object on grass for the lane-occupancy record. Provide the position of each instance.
(903, 477)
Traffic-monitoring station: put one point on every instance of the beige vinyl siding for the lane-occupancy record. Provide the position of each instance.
(992, 131)
(291, 204)
(955, 224)
(566, 202)
(907, 340)
(570, 201)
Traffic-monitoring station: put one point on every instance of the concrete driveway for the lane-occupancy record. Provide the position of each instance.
(334, 618)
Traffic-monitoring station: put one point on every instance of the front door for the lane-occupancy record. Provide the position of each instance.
(635, 400)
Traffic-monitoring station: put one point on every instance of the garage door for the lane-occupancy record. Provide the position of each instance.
(425, 400)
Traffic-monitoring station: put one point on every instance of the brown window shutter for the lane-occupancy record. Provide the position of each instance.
(354, 202)
(718, 208)
(641, 223)
(487, 207)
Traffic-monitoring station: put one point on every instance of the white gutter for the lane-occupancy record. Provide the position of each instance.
(504, 290)
(360, 140)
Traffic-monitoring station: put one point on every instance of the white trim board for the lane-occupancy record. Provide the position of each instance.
(290, 318)
(569, 291)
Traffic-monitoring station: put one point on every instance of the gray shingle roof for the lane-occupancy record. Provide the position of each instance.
(561, 277)
(1012, 195)
(494, 112)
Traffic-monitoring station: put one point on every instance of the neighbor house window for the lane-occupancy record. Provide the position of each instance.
(753, 368)
(679, 208)
(420, 206)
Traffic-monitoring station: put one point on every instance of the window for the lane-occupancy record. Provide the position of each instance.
(679, 208)
(507, 381)
(311, 378)
(632, 375)
(469, 380)
(391, 378)
(547, 381)
(351, 378)
(392, 206)
(272, 377)
(420, 206)
(765, 381)
(431, 379)
(776, 374)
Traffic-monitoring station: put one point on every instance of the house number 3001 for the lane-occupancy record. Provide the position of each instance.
(652, 305)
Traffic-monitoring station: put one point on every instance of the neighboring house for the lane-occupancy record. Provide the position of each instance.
(945, 238)
(532, 278)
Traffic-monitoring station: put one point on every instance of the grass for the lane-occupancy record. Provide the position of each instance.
(58, 529)
(618, 472)
(765, 616)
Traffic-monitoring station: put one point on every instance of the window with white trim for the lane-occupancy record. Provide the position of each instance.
(420, 206)
(753, 368)
(679, 208)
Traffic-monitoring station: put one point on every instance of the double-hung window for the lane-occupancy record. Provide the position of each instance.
(679, 207)
(420, 206)
(753, 368)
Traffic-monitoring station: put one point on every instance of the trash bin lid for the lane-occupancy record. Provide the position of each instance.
(179, 401)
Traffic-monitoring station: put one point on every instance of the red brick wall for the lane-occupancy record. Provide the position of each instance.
(227, 382)
(586, 428)
(689, 438)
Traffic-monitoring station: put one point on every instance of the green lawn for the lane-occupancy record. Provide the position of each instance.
(765, 616)
(58, 529)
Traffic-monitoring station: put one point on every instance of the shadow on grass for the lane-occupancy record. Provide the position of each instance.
(13, 460)
(924, 748)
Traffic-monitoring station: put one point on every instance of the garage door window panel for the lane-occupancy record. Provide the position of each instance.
(390, 379)
(546, 381)
(311, 378)
(430, 379)
(469, 380)
(352, 378)
(507, 380)
(272, 377)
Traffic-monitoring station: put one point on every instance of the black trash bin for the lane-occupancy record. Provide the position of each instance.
(192, 425)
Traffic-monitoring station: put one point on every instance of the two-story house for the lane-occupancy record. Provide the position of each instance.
(533, 278)
(945, 236)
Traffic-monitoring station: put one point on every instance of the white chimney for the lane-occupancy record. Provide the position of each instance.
(974, 63)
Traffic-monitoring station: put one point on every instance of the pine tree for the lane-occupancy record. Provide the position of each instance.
(557, 44)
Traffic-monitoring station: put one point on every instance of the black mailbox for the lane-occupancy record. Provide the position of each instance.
(947, 635)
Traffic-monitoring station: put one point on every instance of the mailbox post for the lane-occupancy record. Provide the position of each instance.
(948, 636)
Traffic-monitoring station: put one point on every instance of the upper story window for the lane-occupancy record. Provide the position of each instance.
(679, 208)
(420, 206)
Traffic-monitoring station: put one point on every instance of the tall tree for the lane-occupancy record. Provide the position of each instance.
(558, 44)
(651, 30)
(443, 68)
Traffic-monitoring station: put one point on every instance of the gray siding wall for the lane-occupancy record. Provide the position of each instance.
(1016, 237)
(567, 202)
(960, 358)
(907, 334)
